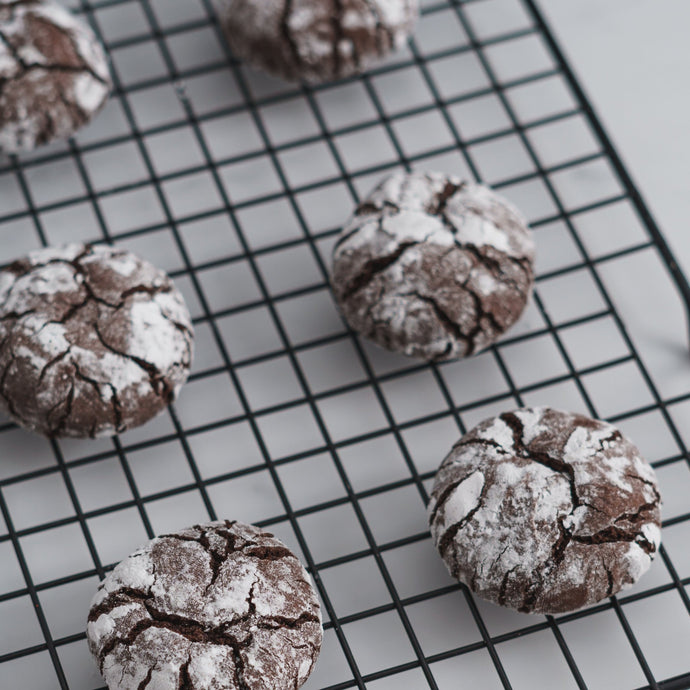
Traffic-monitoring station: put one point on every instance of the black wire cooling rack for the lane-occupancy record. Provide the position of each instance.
(237, 184)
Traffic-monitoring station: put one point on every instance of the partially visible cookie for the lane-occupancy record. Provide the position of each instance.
(545, 511)
(303, 40)
(433, 267)
(93, 341)
(53, 74)
(220, 606)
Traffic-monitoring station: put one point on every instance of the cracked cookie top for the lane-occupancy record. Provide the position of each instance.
(433, 267)
(220, 606)
(316, 41)
(53, 74)
(93, 341)
(545, 511)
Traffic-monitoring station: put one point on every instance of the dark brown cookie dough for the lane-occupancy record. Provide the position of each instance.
(93, 341)
(316, 41)
(53, 74)
(545, 511)
(433, 267)
(221, 606)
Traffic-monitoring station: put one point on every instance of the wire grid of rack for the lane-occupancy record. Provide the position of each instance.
(237, 185)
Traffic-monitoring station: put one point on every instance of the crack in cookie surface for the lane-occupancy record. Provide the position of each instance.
(545, 511)
(433, 267)
(302, 40)
(93, 341)
(53, 74)
(222, 598)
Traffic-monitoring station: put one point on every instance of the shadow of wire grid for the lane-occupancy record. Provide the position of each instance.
(237, 184)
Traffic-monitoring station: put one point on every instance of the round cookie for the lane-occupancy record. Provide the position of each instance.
(53, 74)
(303, 40)
(93, 341)
(433, 267)
(220, 606)
(545, 511)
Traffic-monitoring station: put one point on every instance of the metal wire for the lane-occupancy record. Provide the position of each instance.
(375, 380)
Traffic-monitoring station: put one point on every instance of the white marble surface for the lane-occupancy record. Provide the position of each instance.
(633, 58)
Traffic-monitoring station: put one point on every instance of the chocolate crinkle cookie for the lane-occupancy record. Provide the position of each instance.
(303, 40)
(93, 341)
(545, 511)
(220, 606)
(433, 267)
(53, 74)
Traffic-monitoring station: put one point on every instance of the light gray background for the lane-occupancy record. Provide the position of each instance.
(633, 58)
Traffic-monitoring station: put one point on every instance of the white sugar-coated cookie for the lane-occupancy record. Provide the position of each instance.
(316, 41)
(545, 511)
(53, 74)
(93, 341)
(433, 267)
(219, 606)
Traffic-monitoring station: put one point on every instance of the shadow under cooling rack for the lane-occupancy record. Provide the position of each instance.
(237, 184)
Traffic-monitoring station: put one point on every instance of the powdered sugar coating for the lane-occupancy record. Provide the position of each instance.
(220, 606)
(316, 41)
(566, 514)
(433, 267)
(53, 73)
(93, 341)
